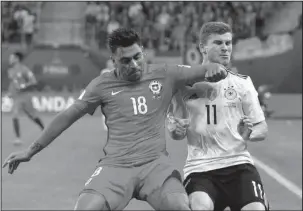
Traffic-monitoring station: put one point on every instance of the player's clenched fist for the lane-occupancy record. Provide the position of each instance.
(245, 127)
(215, 72)
(14, 159)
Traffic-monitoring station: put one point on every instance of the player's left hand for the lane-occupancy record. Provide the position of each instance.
(245, 127)
(14, 159)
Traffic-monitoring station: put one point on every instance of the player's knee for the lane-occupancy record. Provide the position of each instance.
(254, 206)
(175, 201)
(200, 201)
(90, 201)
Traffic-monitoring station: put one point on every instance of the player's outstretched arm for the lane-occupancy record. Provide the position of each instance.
(89, 100)
(59, 124)
(182, 74)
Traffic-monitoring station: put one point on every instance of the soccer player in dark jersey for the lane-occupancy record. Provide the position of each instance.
(134, 98)
(22, 81)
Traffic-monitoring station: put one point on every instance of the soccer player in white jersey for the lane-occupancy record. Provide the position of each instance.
(219, 171)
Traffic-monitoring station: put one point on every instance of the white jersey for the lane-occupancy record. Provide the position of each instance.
(214, 111)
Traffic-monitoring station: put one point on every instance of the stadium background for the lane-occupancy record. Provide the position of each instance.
(64, 43)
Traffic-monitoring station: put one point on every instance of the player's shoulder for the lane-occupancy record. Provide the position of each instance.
(239, 76)
(96, 82)
(107, 72)
(243, 82)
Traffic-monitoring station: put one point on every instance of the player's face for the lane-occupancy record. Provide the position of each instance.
(129, 62)
(219, 48)
(12, 59)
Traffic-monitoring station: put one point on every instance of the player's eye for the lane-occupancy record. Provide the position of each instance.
(228, 43)
(125, 61)
(218, 42)
(138, 57)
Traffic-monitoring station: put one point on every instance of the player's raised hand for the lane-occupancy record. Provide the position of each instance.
(215, 72)
(14, 159)
(245, 127)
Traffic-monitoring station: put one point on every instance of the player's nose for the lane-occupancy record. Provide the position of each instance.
(133, 63)
(224, 48)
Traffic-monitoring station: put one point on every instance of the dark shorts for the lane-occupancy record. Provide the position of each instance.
(234, 186)
(23, 103)
(119, 185)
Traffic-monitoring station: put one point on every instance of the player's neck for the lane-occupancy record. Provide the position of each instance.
(207, 62)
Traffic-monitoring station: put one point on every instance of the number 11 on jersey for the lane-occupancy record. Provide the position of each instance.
(139, 105)
(208, 111)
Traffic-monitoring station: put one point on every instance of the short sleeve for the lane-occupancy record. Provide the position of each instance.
(251, 104)
(91, 97)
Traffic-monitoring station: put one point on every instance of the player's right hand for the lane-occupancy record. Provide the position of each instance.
(14, 159)
(215, 72)
(177, 127)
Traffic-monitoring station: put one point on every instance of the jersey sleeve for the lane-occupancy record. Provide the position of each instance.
(251, 105)
(185, 75)
(91, 97)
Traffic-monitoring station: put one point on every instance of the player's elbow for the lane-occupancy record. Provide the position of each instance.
(260, 132)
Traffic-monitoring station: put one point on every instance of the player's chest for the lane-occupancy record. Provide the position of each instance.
(220, 98)
(140, 99)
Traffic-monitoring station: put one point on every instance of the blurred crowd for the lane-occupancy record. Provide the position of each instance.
(18, 21)
(166, 25)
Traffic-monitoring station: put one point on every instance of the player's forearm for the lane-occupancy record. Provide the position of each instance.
(193, 74)
(259, 132)
(59, 124)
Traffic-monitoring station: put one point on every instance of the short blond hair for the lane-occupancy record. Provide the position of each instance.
(210, 28)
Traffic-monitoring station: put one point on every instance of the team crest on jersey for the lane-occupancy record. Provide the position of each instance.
(156, 88)
(230, 93)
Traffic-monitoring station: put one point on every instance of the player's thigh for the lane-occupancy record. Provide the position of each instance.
(204, 193)
(201, 201)
(247, 188)
(17, 107)
(91, 201)
(254, 206)
(170, 196)
(115, 184)
(160, 182)
(153, 175)
(27, 106)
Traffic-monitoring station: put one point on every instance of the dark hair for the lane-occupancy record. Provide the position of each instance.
(19, 55)
(122, 37)
(210, 28)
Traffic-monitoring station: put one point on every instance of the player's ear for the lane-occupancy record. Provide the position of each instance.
(112, 57)
(143, 51)
(202, 48)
